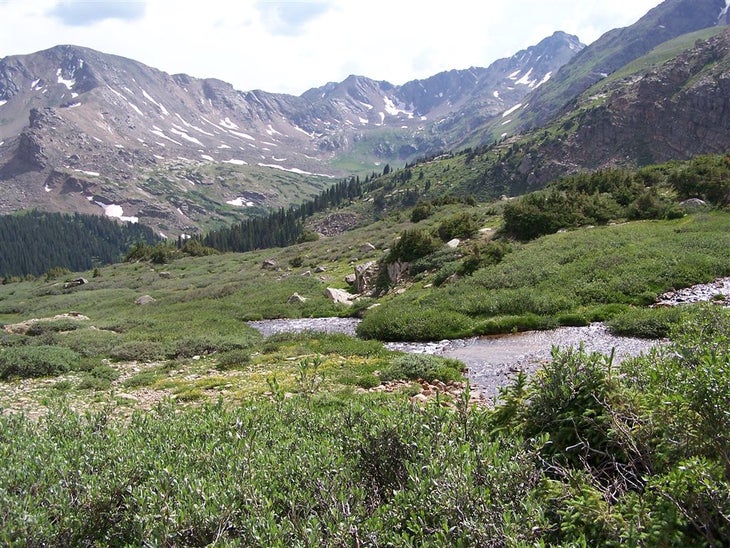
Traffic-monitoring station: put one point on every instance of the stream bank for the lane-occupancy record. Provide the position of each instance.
(491, 361)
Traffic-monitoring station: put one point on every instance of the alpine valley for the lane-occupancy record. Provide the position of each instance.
(86, 132)
(532, 258)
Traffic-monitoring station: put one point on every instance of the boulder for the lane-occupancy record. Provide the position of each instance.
(453, 244)
(365, 275)
(367, 248)
(75, 283)
(307, 274)
(693, 204)
(144, 300)
(296, 298)
(269, 264)
(350, 279)
(320, 269)
(339, 296)
(165, 275)
(396, 270)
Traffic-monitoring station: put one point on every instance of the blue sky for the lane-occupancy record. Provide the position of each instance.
(289, 47)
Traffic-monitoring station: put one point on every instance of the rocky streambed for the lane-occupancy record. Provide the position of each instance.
(491, 361)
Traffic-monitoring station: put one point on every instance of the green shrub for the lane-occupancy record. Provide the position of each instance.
(423, 210)
(36, 361)
(573, 319)
(90, 343)
(647, 323)
(435, 261)
(12, 339)
(462, 225)
(143, 378)
(143, 351)
(53, 326)
(515, 324)
(200, 345)
(401, 322)
(233, 359)
(413, 244)
(367, 381)
(446, 272)
(423, 367)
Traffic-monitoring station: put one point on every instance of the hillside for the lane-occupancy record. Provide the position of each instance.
(145, 396)
(613, 50)
(666, 105)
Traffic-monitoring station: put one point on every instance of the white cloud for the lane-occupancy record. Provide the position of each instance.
(291, 46)
(85, 12)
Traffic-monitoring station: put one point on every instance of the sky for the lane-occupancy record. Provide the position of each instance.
(292, 46)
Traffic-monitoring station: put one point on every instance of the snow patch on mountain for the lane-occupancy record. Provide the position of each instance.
(158, 105)
(241, 135)
(117, 212)
(235, 162)
(136, 108)
(391, 109)
(271, 131)
(294, 170)
(511, 110)
(3, 102)
(89, 173)
(525, 80)
(176, 130)
(61, 80)
(191, 126)
(228, 124)
(544, 79)
(240, 202)
(724, 10)
(157, 131)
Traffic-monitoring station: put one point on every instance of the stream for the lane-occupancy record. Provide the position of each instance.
(491, 361)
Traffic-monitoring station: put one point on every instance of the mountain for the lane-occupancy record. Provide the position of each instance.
(670, 104)
(84, 131)
(613, 50)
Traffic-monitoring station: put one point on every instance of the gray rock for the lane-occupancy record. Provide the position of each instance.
(144, 300)
(296, 298)
(165, 275)
(367, 248)
(339, 296)
(365, 275)
(350, 279)
(75, 283)
(453, 244)
(396, 270)
(269, 264)
(693, 204)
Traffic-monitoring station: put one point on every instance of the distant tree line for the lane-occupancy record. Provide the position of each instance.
(32, 243)
(284, 226)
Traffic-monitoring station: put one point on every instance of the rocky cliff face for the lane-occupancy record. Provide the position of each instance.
(673, 110)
